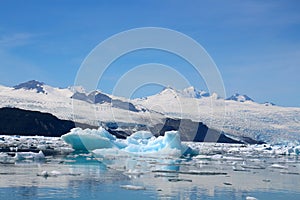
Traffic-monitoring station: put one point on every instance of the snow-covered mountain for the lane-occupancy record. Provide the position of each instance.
(240, 98)
(190, 92)
(238, 116)
(66, 103)
(194, 93)
(32, 85)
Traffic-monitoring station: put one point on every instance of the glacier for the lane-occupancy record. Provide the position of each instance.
(101, 142)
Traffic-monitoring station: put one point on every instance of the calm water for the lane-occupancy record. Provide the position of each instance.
(83, 177)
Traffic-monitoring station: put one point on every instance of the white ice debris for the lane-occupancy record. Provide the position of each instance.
(277, 166)
(251, 198)
(133, 187)
(29, 156)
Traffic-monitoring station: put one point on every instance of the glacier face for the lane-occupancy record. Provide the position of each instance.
(240, 117)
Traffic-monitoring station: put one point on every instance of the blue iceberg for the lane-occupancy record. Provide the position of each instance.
(89, 139)
(101, 142)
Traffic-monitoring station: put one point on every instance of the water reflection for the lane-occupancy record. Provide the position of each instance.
(82, 176)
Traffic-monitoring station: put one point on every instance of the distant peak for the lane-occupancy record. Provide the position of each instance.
(240, 98)
(31, 85)
(168, 88)
(33, 82)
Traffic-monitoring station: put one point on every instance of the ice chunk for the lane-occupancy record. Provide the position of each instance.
(251, 198)
(216, 157)
(46, 174)
(89, 139)
(277, 166)
(29, 156)
(133, 187)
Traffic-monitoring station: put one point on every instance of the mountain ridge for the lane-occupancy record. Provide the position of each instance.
(264, 122)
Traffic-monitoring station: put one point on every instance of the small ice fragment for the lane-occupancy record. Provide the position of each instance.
(246, 166)
(133, 187)
(202, 157)
(251, 198)
(54, 173)
(277, 166)
(217, 157)
(29, 156)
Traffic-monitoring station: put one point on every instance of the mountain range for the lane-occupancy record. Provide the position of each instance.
(237, 116)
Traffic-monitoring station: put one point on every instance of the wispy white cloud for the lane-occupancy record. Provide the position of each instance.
(15, 39)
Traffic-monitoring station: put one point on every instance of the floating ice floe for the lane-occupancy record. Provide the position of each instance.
(251, 198)
(55, 173)
(89, 139)
(102, 143)
(277, 166)
(29, 156)
(133, 187)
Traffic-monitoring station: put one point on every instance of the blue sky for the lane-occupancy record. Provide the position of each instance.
(255, 44)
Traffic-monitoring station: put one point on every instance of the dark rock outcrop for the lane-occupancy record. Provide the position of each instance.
(98, 97)
(15, 121)
(123, 105)
(197, 132)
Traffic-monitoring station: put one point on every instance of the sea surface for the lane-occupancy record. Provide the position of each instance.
(219, 172)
